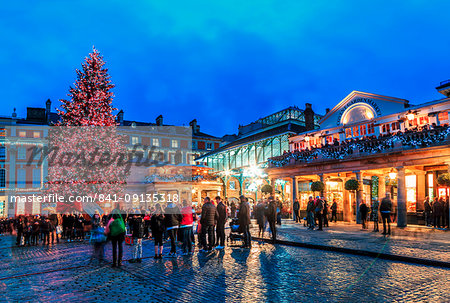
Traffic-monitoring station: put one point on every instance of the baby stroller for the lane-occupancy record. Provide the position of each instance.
(234, 231)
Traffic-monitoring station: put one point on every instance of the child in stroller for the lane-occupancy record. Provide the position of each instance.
(234, 230)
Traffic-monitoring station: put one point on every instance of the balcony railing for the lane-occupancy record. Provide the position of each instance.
(368, 146)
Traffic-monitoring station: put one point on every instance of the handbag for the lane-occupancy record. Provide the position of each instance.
(58, 229)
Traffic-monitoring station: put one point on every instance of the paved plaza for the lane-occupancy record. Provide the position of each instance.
(266, 273)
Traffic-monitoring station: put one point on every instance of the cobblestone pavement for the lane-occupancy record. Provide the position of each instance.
(417, 242)
(266, 273)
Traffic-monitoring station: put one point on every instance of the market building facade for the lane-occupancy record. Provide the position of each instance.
(240, 163)
(386, 144)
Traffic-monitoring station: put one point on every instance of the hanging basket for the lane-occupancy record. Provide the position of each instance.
(267, 189)
(317, 186)
(444, 180)
(352, 184)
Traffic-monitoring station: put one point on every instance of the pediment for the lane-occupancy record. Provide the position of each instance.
(359, 107)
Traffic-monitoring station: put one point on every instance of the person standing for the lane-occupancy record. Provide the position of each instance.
(438, 209)
(334, 211)
(310, 213)
(271, 215)
(157, 227)
(208, 221)
(221, 220)
(244, 221)
(279, 209)
(374, 214)
(260, 218)
(325, 213)
(115, 229)
(385, 210)
(45, 230)
(427, 211)
(98, 237)
(318, 211)
(296, 209)
(19, 229)
(172, 219)
(186, 227)
(363, 213)
(233, 210)
(137, 231)
(35, 230)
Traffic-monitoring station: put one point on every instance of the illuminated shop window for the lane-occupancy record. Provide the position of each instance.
(411, 193)
(443, 116)
(430, 191)
(348, 133)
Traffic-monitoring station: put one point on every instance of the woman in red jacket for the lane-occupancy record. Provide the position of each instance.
(186, 227)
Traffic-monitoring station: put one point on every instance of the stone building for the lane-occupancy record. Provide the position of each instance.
(385, 143)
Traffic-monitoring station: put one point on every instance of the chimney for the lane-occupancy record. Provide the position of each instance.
(195, 126)
(120, 117)
(48, 105)
(309, 116)
(327, 110)
(159, 120)
(14, 114)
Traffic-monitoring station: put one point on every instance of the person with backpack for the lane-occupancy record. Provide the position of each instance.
(137, 225)
(318, 211)
(115, 229)
(157, 227)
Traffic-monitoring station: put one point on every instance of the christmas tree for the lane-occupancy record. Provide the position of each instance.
(87, 163)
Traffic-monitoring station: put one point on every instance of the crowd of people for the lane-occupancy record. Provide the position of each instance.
(318, 213)
(179, 222)
(423, 137)
(173, 222)
(436, 212)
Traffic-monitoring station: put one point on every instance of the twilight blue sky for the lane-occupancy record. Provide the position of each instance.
(224, 62)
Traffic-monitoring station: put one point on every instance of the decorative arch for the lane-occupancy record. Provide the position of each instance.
(358, 112)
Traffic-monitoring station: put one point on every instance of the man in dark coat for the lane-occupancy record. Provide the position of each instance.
(296, 208)
(271, 215)
(137, 225)
(244, 221)
(172, 219)
(427, 211)
(385, 210)
(438, 210)
(334, 211)
(363, 210)
(221, 220)
(208, 222)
